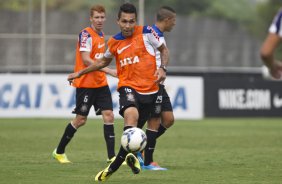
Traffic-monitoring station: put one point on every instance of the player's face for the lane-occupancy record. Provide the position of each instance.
(97, 20)
(170, 23)
(126, 22)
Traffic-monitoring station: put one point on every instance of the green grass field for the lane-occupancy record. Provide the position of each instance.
(211, 151)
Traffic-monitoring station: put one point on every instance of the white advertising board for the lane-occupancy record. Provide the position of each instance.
(50, 95)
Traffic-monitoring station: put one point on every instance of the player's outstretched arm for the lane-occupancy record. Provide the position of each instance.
(101, 63)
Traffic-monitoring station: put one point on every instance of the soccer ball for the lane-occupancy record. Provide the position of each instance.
(133, 140)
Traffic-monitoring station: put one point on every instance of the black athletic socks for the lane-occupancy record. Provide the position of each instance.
(150, 147)
(109, 136)
(161, 130)
(67, 136)
(120, 156)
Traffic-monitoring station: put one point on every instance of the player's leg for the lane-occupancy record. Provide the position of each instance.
(104, 106)
(151, 132)
(143, 118)
(109, 133)
(153, 128)
(153, 123)
(144, 112)
(141, 121)
(153, 114)
(128, 110)
(83, 105)
(167, 120)
(167, 117)
(130, 120)
(71, 128)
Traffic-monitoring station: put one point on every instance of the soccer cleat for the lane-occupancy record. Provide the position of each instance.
(62, 158)
(104, 174)
(133, 163)
(140, 158)
(153, 166)
(112, 159)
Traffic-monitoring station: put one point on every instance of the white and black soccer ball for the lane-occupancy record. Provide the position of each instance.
(133, 140)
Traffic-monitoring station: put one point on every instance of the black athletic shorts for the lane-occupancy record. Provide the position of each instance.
(161, 104)
(128, 97)
(100, 98)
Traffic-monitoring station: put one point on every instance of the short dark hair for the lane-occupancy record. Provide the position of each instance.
(127, 8)
(164, 12)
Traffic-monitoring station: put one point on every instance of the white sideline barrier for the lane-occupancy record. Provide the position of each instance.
(49, 95)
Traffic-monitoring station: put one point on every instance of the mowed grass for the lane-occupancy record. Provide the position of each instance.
(210, 151)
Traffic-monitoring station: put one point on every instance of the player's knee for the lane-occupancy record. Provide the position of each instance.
(171, 122)
(131, 116)
(168, 121)
(79, 121)
(82, 122)
(153, 124)
(108, 116)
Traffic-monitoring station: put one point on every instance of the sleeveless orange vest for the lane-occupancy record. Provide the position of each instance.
(135, 66)
(93, 79)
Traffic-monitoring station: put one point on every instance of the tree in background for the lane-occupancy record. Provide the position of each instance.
(240, 11)
(182, 7)
(62, 5)
(254, 15)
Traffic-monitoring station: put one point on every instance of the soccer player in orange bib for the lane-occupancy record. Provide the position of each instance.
(133, 49)
(91, 89)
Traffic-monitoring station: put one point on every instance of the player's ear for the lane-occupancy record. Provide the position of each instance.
(166, 19)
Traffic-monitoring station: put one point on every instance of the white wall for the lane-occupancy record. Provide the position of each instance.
(49, 95)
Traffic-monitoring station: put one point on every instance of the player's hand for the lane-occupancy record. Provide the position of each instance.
(161, 74)
(73, 76)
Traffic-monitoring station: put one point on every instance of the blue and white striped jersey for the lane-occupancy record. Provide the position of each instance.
(162, 40)
(275, 27)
